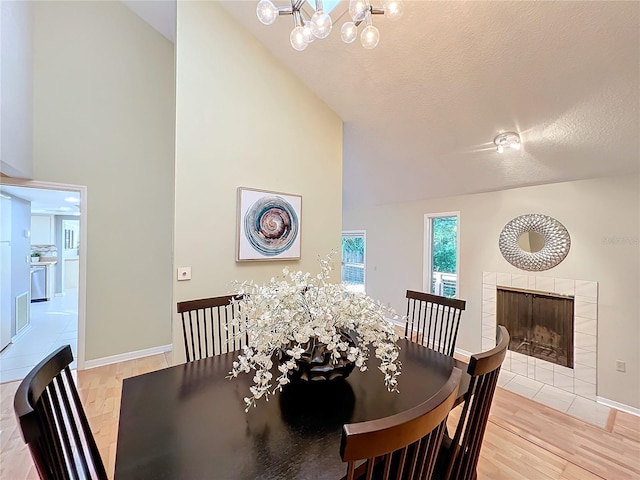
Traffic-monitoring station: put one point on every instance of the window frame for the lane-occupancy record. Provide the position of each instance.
(356, 233)
(427, 269)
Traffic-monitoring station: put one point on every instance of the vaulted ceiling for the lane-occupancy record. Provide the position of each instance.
(421, 110)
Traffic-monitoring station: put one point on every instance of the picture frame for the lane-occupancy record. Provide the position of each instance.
(268, 225)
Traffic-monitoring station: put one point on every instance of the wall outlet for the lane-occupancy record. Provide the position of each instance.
(184, 273)
(621, 366)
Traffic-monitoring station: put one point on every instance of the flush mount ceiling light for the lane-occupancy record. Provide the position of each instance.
(307, 27)
(507, 140)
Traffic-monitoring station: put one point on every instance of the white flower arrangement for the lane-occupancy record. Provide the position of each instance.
(296, 308)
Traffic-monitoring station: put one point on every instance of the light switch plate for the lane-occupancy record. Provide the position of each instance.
(184, 273)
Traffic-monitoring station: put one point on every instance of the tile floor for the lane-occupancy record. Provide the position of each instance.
(569, 403)
(53, 324)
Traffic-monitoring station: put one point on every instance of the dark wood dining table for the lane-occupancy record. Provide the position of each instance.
(188, 421)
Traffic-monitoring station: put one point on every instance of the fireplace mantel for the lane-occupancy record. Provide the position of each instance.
(582, 379)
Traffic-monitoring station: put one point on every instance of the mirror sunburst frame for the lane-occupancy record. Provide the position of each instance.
(556, 242)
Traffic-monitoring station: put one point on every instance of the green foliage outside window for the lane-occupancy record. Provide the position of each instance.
(353, 244)
(445, 233)
(353, 249)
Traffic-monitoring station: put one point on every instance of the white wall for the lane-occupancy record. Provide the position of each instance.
(104, 117)
(244, 120)
(602, 217)
(16, 88)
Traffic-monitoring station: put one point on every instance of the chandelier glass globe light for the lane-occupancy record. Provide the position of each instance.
(308, 33)
(361, 12)
(358, 9)
(298, 38)
(267, 12)
(349, 32)
(311, 21)
(321, 24)
(393, 9)
(370, 37)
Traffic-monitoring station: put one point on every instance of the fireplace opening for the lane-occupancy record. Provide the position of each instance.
(540, 324)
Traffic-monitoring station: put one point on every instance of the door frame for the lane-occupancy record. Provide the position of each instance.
(81, 190)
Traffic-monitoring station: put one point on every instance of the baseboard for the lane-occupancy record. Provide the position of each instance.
(399, 322)
(463, 353)
(21, 333)
(618, 406)
(123, 357)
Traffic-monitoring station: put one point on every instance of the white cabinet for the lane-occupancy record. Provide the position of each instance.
(71, 273)
(51, 278)
(42, 229)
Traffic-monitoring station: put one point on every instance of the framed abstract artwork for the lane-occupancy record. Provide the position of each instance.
(268, 225)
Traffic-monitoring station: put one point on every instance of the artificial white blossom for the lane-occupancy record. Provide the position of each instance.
(289, 311)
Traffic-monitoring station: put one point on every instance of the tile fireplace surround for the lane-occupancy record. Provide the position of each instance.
(580, 380)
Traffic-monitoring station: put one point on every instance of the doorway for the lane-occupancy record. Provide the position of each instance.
(47, 233)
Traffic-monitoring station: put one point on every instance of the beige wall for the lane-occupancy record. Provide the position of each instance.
(16, 88)
(104, 117)
(244, 120)
(602, 217)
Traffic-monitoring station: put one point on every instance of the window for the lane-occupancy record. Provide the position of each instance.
(353, 260)
(441, 254)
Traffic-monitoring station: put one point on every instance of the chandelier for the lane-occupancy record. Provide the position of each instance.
(309, 27)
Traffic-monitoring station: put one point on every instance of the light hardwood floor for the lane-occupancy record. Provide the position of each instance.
(524, 439)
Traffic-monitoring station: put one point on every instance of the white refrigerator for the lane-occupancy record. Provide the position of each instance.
(5, 294)
(5, 272)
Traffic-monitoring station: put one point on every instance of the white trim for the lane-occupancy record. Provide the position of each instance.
(463, 353)
(618, 406)
(21, 333)
(82, 279)
(427, 267)
(400, 322)
(123, 357)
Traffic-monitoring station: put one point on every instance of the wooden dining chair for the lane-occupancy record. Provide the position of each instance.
(460, 454)
(207, 328)
(53, 422)
(402, 446)
(433, 321)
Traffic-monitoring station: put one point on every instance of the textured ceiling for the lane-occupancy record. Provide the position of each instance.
(421, 110)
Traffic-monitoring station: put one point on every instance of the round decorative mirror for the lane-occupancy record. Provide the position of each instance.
(534, 242)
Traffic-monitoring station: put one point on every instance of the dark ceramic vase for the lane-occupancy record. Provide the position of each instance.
(317, 364)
